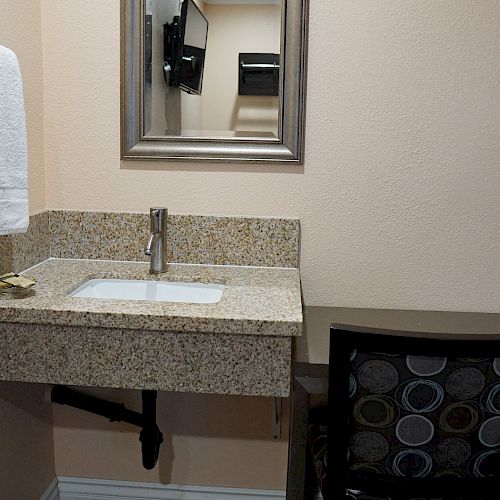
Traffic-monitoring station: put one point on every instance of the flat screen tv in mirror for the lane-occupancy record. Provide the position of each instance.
(184, 47)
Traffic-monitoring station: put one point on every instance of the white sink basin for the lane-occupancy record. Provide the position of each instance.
(157, 291)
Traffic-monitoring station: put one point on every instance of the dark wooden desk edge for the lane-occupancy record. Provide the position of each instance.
(307, 379)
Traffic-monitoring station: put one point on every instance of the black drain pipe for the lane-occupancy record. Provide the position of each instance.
(150, 435)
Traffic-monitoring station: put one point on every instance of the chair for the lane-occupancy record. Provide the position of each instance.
(413, 416)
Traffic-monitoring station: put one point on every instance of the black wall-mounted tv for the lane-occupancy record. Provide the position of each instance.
(184, 47)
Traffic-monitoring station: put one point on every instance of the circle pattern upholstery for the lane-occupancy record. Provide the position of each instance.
(416, 416)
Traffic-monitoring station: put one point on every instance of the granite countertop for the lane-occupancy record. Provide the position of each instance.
(256, 300)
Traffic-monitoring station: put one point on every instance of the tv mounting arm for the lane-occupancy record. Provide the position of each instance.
(172, 51)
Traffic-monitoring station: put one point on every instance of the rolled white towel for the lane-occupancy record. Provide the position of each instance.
(14, 211)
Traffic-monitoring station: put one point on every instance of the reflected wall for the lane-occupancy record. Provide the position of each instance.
(219, 110)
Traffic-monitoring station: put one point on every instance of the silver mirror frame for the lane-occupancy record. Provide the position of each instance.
(289, 147)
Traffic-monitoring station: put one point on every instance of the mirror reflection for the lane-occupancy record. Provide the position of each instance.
(211, 68)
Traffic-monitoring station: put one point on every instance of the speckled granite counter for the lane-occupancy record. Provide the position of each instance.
(260, 301)
(241, 345)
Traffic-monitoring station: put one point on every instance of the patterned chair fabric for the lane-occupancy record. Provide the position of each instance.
(415, 416)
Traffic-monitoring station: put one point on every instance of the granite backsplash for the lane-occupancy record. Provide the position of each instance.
(20, 251)
(192, 239)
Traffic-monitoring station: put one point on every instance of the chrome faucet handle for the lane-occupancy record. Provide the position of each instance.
(157, 219)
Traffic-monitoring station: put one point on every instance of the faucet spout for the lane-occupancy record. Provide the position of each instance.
(156, 246)
(149, 248)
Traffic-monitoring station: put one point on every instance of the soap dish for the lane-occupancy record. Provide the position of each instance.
(15, 286)
(15, 292)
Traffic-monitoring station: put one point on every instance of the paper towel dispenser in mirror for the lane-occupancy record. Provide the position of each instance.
(258, 74)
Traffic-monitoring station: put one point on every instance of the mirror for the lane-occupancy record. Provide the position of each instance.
(215, 80)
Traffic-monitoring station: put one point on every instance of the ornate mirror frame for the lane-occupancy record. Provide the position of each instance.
(288, 147)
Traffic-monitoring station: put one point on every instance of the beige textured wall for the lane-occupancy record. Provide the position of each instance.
(20, 30)
(26, 442)
(398, 197)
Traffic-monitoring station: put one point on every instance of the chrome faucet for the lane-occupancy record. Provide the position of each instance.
(156, 247)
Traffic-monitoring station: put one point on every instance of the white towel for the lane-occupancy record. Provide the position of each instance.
(14, 214)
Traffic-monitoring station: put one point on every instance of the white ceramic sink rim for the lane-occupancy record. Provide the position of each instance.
(150, 290)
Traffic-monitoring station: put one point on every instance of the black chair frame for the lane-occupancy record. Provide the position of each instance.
(343, 340)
